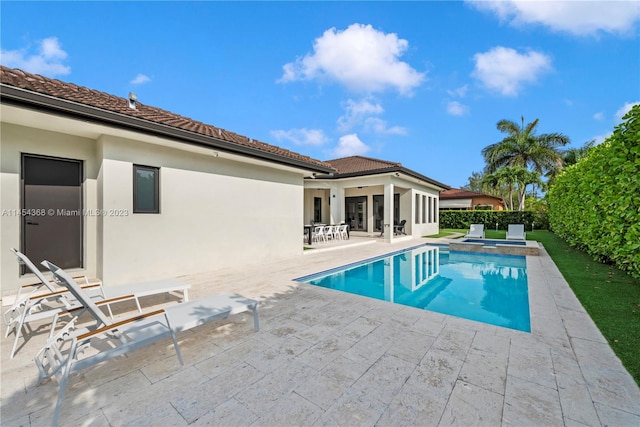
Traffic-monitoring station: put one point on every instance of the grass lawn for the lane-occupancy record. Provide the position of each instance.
(610, 296)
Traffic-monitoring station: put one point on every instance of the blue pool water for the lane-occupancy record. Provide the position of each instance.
(486, 288)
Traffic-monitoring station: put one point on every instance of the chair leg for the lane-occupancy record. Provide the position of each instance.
(256, 320)
(15, 342)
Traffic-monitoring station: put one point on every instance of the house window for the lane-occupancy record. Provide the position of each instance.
(396, 207)
(146, 189)
(424, 209)
(317, 209)
(417, 209)
(434, 210)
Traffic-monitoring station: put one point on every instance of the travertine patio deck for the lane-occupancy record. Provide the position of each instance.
(327, 358)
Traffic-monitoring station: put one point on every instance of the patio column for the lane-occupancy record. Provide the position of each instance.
(388, 212)
(336, 195)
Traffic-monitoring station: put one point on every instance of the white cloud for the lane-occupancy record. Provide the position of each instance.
(350, 145)
(360, 58)
(140, 79)
(46, 60)
(459, 92)
(505, 70)
(577, 17)
(455, 108)
(599, 139)
(356, 112)
(361, 114)
(624, 110)
(379, 126)
(599, 115)
(315, 137)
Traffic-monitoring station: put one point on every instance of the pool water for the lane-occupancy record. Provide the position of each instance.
(491, 289)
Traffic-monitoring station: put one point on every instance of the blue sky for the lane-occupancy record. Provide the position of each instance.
(422, 83)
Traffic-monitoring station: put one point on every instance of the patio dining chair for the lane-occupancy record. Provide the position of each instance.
(399, 228)
(343, 232)
(335, 230)
(328, 232)
(318, 234)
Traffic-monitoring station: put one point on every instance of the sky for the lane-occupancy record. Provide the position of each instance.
(423, 83)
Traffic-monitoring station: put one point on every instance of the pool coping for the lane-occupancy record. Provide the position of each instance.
(530, 248)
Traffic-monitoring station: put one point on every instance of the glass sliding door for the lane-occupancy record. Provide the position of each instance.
(378, 212)
(356, 211)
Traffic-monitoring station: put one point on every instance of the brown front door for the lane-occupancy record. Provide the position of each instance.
(52, 210)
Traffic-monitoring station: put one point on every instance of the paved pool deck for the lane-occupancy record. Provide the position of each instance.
(324, 357)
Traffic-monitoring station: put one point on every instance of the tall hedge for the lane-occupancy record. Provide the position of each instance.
(462, 219)
(595, 204)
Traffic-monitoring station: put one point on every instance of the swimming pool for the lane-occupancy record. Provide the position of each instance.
(491, 289)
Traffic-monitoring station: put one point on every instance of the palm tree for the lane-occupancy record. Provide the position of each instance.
(516, 179)
(502, 179)
(571, 156)
(523, 148)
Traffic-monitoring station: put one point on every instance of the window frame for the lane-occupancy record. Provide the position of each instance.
(317, 209)
(156, 189)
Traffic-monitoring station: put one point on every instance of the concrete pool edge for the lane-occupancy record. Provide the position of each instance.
(501, 247)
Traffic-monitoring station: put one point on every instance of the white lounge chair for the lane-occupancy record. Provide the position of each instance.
(516, 232)
(476, 231)
(35, 305)
(71, 349)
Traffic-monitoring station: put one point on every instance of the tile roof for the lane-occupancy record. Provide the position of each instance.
(456, 193)
(104, 101)
(355, 164)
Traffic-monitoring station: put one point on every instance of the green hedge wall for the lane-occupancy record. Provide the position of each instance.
(595, 204)
(462, 219)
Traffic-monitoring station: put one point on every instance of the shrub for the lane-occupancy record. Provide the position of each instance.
(462, 219)
(595, 204)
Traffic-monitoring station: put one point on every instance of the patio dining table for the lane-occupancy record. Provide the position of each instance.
(308, 230)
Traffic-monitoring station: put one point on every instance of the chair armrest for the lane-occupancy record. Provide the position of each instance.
(30, 285)
(118, 324)
(48, 295)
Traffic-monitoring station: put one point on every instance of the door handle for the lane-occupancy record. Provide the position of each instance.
(32, 223)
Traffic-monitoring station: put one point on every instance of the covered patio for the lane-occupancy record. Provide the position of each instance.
(373, 197)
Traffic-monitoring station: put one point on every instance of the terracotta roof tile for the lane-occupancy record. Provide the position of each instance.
(101, 100)
(456, 193)
(355, 164)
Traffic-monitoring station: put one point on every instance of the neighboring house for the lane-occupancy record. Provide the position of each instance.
(456, 199)
(108, 186)
(371, 195)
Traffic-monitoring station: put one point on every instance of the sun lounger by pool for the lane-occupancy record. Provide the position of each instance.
(73, 349)
(476, 231)
(515, 232)
(43, 300)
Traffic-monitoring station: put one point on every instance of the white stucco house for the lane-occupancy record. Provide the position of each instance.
(110, 187)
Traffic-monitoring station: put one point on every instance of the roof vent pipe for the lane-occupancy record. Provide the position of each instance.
(132, 100)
